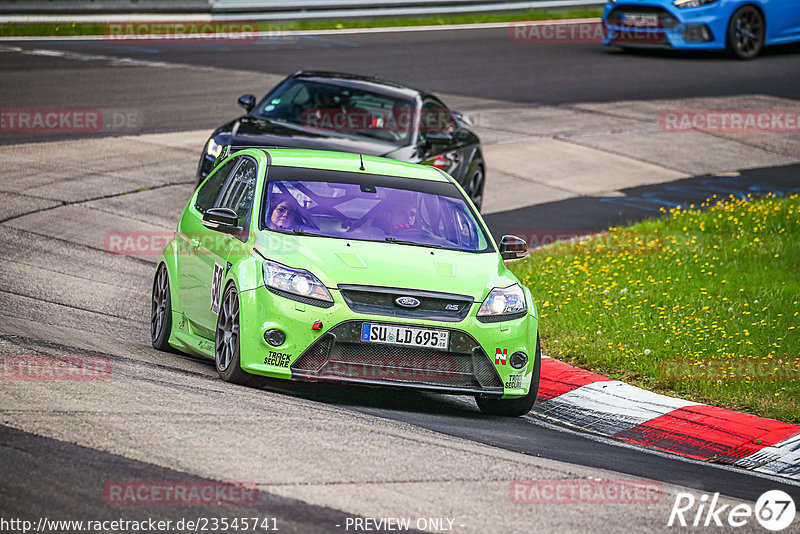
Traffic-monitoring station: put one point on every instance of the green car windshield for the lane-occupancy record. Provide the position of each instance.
(371, 208)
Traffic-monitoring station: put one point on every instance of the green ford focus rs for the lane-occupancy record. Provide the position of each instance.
(325, 266)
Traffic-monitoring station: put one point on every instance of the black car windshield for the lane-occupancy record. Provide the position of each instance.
(372, 208)
(328, 108)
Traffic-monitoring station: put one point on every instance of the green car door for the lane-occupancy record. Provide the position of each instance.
(205, 262)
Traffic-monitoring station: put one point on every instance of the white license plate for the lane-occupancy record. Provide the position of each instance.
(640, 20)
(404, 335)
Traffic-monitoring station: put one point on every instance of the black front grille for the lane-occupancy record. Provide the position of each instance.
(500, 318)
(340, 355)
(434, 306)
(665, 20)
(630, 37)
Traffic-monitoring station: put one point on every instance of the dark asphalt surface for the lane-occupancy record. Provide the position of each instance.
(59, 481)
(36, 477)
(459, 416)
(483, 63)
(583, 215)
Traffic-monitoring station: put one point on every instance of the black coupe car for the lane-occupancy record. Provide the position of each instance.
(363, 115)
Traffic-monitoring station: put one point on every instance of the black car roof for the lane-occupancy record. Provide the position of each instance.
(357, 81)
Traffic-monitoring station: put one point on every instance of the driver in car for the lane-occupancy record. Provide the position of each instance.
(282, 216)
(328, 111)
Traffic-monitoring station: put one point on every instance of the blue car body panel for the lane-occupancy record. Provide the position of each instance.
(782, 19)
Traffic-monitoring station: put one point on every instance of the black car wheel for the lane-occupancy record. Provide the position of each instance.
(520, 406)
(475, 186)
(226, 345)
(161, 311)
(746, 32)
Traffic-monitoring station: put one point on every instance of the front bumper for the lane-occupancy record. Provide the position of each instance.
(477, 360)
(700, 28)
(339, 355)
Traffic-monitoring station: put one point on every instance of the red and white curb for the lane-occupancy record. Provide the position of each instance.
(592, 402)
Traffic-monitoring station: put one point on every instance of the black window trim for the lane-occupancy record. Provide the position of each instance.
(238, 161)
(243, 237)
(240, 158)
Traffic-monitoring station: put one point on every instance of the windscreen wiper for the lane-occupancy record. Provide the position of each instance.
(296, 231)
(413, 243)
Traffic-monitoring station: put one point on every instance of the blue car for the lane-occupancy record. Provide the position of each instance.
(741, 26)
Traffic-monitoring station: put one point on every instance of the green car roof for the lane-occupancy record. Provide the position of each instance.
(340, 161)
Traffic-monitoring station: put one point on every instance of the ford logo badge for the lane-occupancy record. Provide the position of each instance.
(407, 302)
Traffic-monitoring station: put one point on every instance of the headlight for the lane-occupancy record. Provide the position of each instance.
(295, 281)
(681, 4)
(504, 301)
(213, 149)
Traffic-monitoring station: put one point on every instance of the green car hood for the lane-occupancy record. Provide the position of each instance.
(341, 261)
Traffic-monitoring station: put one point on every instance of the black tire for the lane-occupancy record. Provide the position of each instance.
(226, 342)
(746, 29)
(161, 311)
(520, 406)
(475, 185)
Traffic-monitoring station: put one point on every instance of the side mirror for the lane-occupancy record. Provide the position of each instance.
(222, 220)
(460, 134)
(464, 119)
(438, 137)
(513, 247)
(248, 102)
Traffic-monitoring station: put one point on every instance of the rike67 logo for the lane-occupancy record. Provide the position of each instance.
(774, 510)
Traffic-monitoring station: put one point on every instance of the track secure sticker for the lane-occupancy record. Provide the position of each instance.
(514, 381)
(216, 287)
(278, 359)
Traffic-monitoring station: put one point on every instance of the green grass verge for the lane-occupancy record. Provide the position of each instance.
(99, 28)
(701, 304)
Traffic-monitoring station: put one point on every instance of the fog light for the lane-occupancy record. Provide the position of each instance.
(696, 33)
(518, 360)
(274, 337)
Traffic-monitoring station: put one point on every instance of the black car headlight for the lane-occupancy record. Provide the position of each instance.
(682, 4)
(296, 282)
(503, 303)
